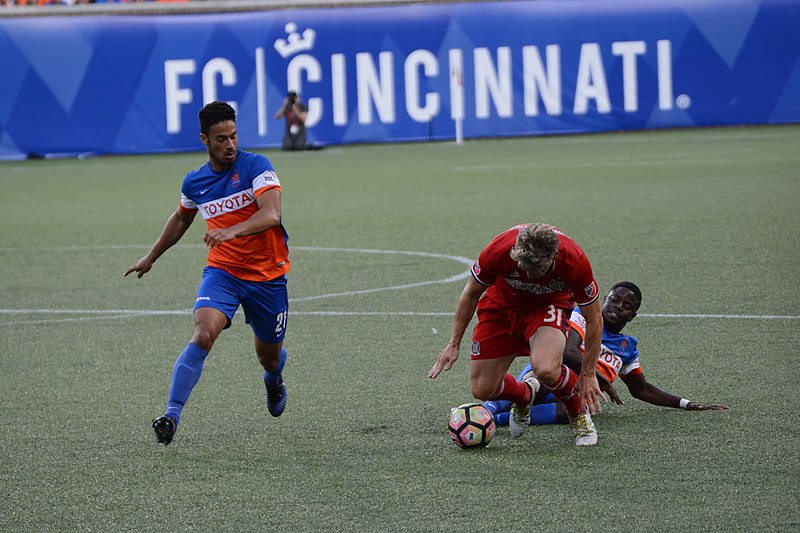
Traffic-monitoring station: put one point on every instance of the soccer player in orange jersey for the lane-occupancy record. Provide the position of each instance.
(239, 196)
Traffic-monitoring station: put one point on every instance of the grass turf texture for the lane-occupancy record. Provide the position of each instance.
(705, 221)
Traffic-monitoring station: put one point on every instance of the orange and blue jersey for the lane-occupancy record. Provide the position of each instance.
(228, 198)
(619, 354)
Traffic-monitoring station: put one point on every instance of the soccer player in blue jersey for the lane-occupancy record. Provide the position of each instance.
(239, 196)
(619, 356)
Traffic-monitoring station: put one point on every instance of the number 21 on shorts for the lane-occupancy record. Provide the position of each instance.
(280, 321)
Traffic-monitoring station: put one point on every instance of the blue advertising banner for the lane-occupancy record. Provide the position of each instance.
(134, 84)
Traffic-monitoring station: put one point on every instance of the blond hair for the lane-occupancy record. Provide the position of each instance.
(536, 248)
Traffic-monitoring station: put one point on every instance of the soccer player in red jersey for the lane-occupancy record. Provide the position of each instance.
(239, 197)
(523, 287)
(619, 356)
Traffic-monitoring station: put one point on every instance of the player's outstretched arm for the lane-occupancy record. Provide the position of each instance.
(608, 389)
(573, 358)
(175, 227)
(465, 310)
(643, 390)
(587, 385)
(693, 406)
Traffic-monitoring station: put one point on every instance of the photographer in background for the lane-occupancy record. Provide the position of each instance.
(295, 111)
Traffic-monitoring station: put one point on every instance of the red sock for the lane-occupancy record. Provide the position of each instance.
(564, 390)
(514, 391)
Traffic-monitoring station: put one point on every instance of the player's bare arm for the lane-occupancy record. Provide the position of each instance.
(267, 216)
(174, 229)
(573, 358)
(465, 310)
(643, 390)
(587, 386)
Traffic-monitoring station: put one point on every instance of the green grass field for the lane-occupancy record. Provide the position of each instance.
(705, 221)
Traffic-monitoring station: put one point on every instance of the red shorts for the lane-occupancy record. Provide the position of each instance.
(501, 332)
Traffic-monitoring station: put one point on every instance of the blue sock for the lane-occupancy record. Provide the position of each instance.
(273, 376)
(497, 406)
(548, 398)
(501, 419)
(543, 414)
(185, 376)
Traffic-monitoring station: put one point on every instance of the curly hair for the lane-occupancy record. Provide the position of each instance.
(214, 113)
(536, 248)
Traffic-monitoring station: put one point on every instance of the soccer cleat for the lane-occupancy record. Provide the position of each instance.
(520, 417)
(276, 398)
(165, 427)
(585, 433)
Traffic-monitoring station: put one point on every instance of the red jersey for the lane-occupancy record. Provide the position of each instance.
(569, 280)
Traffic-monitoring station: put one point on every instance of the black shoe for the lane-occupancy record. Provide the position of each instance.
(165, 427)
(276, 398)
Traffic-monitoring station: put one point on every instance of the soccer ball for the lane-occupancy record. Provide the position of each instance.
(471, 425)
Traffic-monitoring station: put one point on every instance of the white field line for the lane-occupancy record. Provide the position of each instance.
(624, 138)
(107, 314)
(674, 158)
(112, 314)
(741, 317)
(464, 260)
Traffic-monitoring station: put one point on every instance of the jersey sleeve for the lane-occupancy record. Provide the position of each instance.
(578, 323)
(488, 266)
(584, 287)
(187, 204)
(633, 366)
(265, 181)
(264, 176)
(482, 270)
(631, 369)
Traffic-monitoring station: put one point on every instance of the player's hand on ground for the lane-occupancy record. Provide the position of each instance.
(217, 236)
(141, 267)
(589, 390)
(692, 406)
(444, 361)
(609, 390)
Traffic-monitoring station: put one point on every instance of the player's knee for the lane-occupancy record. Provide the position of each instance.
(270, 358)
(204, 338)
(483, 392)
(547, 374)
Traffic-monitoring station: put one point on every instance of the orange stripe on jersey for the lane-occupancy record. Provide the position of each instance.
(183, 209)
(577, 328)
(260, 257)
(262, 190)
(606, 371)
(264, 181)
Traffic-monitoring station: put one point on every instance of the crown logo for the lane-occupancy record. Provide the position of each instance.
(294, 42)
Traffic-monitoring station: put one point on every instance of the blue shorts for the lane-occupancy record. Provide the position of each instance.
(265, 303)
